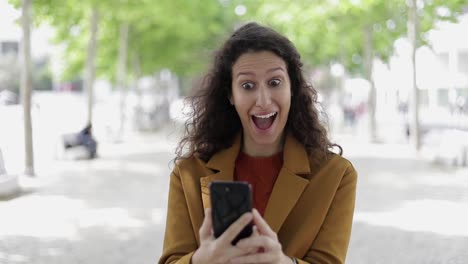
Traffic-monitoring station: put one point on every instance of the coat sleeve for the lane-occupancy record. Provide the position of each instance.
(331, 243)
(179, 240)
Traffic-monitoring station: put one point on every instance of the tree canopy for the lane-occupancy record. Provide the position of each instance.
(333, 31)
(180, 34)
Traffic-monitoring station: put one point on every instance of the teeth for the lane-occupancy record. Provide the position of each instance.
(265, 116)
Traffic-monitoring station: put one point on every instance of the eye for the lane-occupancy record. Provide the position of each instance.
(274, 82)
(247, 85)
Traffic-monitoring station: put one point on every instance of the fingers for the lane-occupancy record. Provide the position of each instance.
(205, 230)
(250, 248)
(258, 242)
(266, 250)
(263, 226)
(254, 258)
(235, 228)
(255, 231)
(263, 245)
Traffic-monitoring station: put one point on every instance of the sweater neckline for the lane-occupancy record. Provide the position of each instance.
(272, 157)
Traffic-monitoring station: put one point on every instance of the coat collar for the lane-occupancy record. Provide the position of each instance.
(295, 156)
(288, 186)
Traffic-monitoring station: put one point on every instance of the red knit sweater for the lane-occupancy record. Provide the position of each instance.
(261, 173)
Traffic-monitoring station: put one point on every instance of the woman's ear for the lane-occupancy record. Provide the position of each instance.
(230, 100)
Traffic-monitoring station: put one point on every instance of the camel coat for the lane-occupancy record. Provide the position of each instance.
(310, 208)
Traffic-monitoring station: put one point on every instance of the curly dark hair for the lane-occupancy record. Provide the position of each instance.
(215, 122)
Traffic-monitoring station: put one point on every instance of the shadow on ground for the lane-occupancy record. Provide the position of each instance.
(372, 244)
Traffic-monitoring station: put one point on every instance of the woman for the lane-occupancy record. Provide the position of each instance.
(255, 120)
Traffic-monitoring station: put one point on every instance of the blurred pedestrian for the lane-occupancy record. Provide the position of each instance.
(83, 139)
(255, 119)
(88, 141)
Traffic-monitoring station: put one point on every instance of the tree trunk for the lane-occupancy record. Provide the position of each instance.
(90, 59)
(368, 67)
(137, 89)
(137, 74)
(414, 96)
(26, 87)
(122, 73)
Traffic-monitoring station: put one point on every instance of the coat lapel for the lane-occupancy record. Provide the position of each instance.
(223, 164)
(289, 185)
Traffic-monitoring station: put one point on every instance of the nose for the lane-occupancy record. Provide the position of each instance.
(263, 96)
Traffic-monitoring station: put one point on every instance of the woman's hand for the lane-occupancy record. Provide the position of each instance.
(219, 250)
(268, 248)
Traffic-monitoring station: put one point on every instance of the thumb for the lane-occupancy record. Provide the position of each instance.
(207, 226)
(262, 225)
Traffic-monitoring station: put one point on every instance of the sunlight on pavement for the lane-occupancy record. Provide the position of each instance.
(389, 179)
(436, 216)
(356, 148)
(107, 217)
(127, 167)
(59, 217)
(14, 258)
(455, 179)
(158, 216)
(437, 178)
(47, 216)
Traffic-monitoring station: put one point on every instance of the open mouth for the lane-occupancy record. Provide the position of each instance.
(264, 122)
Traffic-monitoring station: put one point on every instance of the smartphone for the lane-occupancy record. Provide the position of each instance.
(229, 201)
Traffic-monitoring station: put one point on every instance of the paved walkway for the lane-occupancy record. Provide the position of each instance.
(108, 210)
(408, 210)
(112, 209)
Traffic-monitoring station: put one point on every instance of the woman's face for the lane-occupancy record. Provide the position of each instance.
(261, 94)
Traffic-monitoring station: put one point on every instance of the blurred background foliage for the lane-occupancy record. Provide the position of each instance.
(180, 35)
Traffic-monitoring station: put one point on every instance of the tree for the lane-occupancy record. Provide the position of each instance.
(349, 32)
(154, 35)
(26, 86)
(90, 58)
(70, 20)
(352, 32)
(122, 72)
(420, 20)
(149, 33)
(413, 22)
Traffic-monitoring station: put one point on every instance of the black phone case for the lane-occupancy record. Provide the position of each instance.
(229, 201)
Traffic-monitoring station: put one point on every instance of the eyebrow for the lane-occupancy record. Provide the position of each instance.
(270, 70)
(276, 69)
